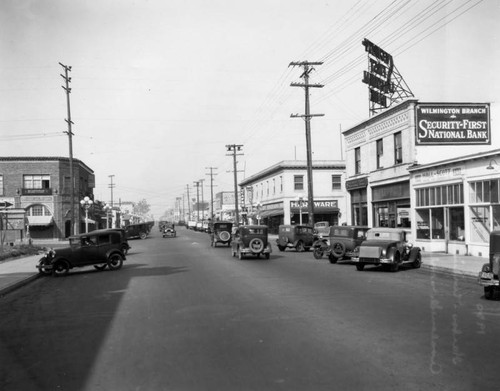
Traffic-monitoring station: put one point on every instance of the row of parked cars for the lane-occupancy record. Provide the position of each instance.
(388, 247)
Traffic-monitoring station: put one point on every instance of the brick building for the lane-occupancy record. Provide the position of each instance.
(41, 187)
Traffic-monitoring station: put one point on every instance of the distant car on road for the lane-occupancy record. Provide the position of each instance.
(220, 232)
(298, 237)
(322, 228)
(251, 240)
(388, 247)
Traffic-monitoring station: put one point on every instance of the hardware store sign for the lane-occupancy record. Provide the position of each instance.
(446, 123)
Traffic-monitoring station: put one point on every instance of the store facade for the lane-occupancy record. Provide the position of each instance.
(278, 194)
(397, 174)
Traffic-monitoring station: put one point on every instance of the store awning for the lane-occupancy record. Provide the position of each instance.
(40, 220)
(271, 212)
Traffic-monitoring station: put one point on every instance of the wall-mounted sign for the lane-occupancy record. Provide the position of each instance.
(319, 205)
(452, 123)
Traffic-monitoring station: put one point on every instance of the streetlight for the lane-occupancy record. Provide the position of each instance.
(86, 204)
(107, 209)
(300, 199)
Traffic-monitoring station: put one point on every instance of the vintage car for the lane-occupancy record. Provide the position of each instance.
(101, 249)
(322, 228)
(343, 241)
(488, 276)
(298, 237)
(140, 230)
(250, 240)
(168, 230)
(388, 247)
(220, 232)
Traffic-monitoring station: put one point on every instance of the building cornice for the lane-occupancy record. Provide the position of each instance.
(43, 159)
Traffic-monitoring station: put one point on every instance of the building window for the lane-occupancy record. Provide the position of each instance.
(274, 186)
(336, 182)
(36, 181)
(398, 148)
(267, 188)
(1, 185)
(281, 184)
(380, 152)
(38, 210)
(298, 182)
(357, 160)
(485, 217)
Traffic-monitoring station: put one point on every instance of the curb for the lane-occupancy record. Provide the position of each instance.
(18, 284)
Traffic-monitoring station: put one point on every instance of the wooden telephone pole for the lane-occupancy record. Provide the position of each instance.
(308, 68)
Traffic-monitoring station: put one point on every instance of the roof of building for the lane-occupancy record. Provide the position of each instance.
(294, 165)
(459, 159)
(43, 158)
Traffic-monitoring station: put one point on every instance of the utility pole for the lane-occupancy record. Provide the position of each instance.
(74, 228)
(234, 148)
(189, 203)
(202, 199)
(308, 68)
(211, 190)
(111, 186)
(197, 184)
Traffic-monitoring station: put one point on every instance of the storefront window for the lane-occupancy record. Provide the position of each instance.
(480, 224)
(383, 216)
(437, 220)
(423, 226)
(496, 217)
(457, 222)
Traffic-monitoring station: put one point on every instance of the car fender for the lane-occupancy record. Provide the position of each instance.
(414, 253)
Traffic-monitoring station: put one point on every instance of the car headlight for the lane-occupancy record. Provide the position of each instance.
(384, 252)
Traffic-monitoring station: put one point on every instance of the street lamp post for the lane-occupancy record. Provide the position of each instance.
(107, 209)
(300, 209)
(86, 204)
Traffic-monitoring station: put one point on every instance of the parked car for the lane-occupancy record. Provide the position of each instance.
(342, 241)
(101, 249)
(191, 225)
(220, 232)
(322, 228)
(388, 247)
(251, 240)
(298, 237)
(488, 276)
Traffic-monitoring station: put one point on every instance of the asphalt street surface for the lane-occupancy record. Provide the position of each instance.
(181, 315)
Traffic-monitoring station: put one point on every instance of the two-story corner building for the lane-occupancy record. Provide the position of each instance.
(378, 154)
(41, 186)
(278, 195)
(411, 166)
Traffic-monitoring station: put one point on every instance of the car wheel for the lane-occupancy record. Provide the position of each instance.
(418, 261)
(143, 235)
(41, 268)
(394, 267)
(224, 235)
(300, 247)
(101, 267)
(318, 253)
(360, 267)
(489, 292)
(115, 261)
(61, 268)
(332, 258)
(338, 249)
(256, 245)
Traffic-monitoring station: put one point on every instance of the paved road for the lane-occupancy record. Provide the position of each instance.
(181, 315)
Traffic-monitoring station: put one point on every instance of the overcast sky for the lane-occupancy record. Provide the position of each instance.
(159, 87)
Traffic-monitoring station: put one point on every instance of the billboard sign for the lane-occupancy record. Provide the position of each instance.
(452, 123)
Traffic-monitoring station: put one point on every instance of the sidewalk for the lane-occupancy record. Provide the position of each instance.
(16, 272)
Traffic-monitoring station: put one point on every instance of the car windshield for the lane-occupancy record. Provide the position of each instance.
(344, 232)
(383, 235)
